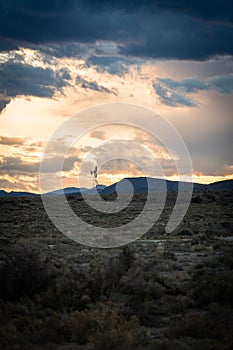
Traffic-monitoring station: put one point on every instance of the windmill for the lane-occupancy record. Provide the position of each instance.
(94, 174)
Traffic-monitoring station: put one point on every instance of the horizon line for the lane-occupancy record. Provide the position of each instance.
(136, 177)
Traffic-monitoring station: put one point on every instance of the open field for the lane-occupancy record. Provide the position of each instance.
(160, 292)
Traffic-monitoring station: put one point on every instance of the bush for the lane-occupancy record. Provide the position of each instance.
(115, 331)
(69, 292)
(197, 199)
(168, 345)
(105, 281)
(127, 258)
(107, 328)
(21, 331)
(22, 273)
(216, 323)
(139, 290)
(214, 287)
(227, 260)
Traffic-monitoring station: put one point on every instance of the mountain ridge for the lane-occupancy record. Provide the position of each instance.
(139, 185)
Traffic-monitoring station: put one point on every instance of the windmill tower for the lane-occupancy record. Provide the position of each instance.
(94, 174)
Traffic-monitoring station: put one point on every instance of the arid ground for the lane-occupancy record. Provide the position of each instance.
(163, 291)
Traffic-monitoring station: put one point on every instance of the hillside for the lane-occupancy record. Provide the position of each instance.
(138, 184)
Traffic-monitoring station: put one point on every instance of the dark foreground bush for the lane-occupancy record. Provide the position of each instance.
(215, 324)
(104, 328)
(214, 287)
(106, 279)
(22, 274)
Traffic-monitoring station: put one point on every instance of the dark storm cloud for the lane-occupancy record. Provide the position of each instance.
(18, 79)
(53, 21)
(181, 29)
(173, 92)
(68, 50)
(176, 36)
(3, 104)
(207, 10)
(6, 45)
(92, 85)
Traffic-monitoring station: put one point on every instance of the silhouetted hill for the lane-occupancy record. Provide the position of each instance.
(141, 184)
(137, 184)
(16, 194)
(75, 190)
(224, 185)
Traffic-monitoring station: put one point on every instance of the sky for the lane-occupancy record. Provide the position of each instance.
(60, 57)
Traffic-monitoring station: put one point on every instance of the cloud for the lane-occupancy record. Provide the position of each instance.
(50, 164)
(7, 45)
(223, 84)
(129, 157)
(84, 149)
(98, 134)
(4, 103)
(184, 29)
(12, 141)
(75, 49)
(23, 146)
(171, 98)
(122, 168)
(205, 10)
(153, 144)
(114, 65)
(21, 79)
(173, 92)
(65, 50)
(12, 165)
(27, 182)
(177, 36)
(187, 85)
(59, 146)
(15, 184)
(144, 166)
(15, 165)
(92, 85)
